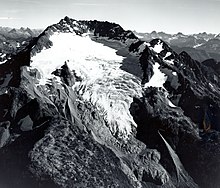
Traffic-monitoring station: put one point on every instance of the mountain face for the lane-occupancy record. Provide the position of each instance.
(201, 46)
(88, 104)
(14, 40)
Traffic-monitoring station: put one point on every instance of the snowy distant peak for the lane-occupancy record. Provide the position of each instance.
(162, 49)
(155, 47)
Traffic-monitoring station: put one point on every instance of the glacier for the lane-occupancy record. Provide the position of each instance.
(103, 83)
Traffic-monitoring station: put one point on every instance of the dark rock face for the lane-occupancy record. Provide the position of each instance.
(65, 74)
(196, 153)
(213, 64)
(72, 158)
(199, 109)
(51, 136)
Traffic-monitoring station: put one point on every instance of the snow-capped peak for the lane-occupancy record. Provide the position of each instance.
(103, 83)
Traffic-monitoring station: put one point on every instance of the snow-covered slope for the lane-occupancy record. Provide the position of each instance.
(102, 83)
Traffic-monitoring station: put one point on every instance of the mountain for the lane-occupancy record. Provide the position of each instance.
(14, 40)
(88, 104)
(200, 46)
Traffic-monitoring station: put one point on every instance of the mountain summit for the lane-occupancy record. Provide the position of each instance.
(88, 104)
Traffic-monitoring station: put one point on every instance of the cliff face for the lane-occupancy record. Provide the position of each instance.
(87, 104)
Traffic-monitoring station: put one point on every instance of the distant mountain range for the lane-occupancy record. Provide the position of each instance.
(200, 46)
(13, 40)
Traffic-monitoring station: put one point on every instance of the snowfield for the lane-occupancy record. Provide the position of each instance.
(158, 47)
(103, 83)
(158, 78)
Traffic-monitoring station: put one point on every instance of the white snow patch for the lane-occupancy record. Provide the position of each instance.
(169, 62)
(167, 55)
(168, 100)
(171, 104)
(198, 45)
(75, 23)
(158, 79)
(148, 44)
(2, 62)
(3, 55)
(18, 45)
(104, 83)
(174, 73)
(211, 85)
(139, 36)
(158, 47)
(76, 28)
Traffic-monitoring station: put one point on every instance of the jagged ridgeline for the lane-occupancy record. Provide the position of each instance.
(88, 104)
(201, 46)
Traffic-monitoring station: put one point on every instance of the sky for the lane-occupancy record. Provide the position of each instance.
(171, 16)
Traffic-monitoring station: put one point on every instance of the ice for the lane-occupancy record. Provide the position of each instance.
(103, 83)
(171, 104)
(158, 79)
(197, 45)
(75, 23)
(174, 73)
(168, 101)
(167, 55)
(2, 62)
(75, 28)
(170, 62)
(3, 55)
(18, 45)
(158, 47)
